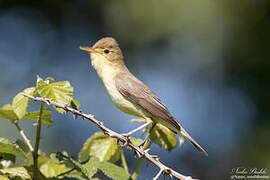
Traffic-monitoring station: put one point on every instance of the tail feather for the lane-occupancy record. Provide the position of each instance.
(185, 135)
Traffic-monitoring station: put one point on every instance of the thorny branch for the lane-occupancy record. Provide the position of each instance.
(143, 153)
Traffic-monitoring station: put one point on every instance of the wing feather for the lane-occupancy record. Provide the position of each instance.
(135, 91)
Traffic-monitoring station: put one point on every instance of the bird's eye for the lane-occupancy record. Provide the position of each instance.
(106, 51)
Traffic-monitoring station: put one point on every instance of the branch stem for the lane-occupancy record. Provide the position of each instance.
(38, 131)
(144, 154)
(137, 169)
(123, 160)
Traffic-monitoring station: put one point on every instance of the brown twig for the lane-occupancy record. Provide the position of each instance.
(143, 153)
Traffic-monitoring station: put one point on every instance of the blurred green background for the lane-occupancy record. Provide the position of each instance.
(207, 60)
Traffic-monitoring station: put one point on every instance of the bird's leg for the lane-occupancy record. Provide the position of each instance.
(137, 129)
(127, 135)
(148, 135)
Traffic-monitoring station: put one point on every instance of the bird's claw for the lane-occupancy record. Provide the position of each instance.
(126, 142)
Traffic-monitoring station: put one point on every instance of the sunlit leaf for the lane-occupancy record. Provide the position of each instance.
(51, 169)
(6, 112)
(100, 146)
(20, 102)
(11, 148)
(60, 92)
(46, 117)
(20, 172)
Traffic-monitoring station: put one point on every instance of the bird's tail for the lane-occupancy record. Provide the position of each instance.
(184, 135)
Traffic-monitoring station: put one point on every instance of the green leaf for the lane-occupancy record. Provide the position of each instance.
(75, 104)
(20, 102)
(11, 148)
(164, 137)
(6, 112)
(4, 177)
(16, 172)
(46, 117)
(22, 145)
(100, 146)
(136, 141)
(88, 169)
(51, 169)
(41, 159)
(142, 120)
(60, 92)
(112, 171)
(7, 157)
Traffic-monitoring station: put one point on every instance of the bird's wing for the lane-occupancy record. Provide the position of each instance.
(135, 91)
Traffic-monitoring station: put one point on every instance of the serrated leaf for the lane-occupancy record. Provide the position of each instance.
(46, 117)
(16, 172)
(20, 102)
(60, 92)
(6, 112)
(90, 168)
(11, 148)
(100, 146)
(164, 137)
(113, 171)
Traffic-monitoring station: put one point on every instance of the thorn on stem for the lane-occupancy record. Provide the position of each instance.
(165, 171)
(48, 101)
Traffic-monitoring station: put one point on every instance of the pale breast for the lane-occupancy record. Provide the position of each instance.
(119, 100)
(107, 72)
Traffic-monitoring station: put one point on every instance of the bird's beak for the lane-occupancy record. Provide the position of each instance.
(88, 49)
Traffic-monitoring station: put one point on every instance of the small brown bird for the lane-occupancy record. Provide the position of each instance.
(128, 93)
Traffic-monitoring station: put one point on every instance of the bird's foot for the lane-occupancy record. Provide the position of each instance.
(165, 171)
(127, 140)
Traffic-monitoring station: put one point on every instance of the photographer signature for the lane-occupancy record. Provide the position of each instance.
(246, 170)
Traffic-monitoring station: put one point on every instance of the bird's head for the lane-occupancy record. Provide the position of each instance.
(105, 52)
